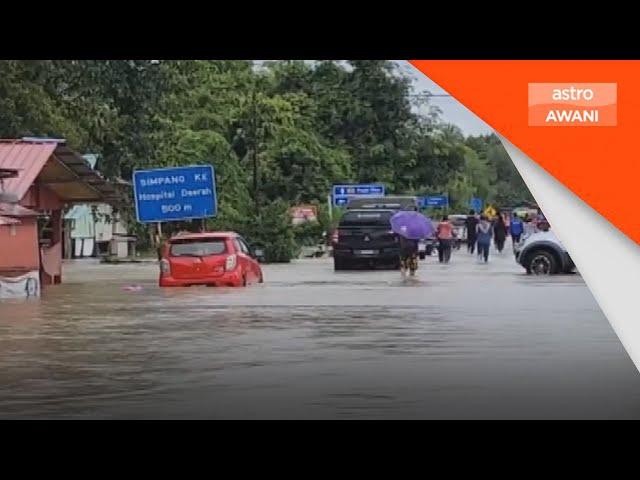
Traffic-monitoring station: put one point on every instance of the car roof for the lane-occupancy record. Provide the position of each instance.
(196, 236)
(391, 202)
(369, 210)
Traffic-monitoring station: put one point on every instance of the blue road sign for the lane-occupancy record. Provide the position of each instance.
(477, 204)
(342, 193)
(171, 194)
(435, 201)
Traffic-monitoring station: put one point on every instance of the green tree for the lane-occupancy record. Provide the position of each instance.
(277, 135)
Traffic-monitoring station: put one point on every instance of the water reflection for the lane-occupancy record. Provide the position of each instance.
(458, 342)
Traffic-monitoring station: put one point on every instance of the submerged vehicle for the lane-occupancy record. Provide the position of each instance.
(365, 238)
(213, 259)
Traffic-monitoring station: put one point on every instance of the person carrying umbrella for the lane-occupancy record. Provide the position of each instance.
(410, 226)
(408, 256)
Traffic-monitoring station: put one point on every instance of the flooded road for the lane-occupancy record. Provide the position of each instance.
(464, 340)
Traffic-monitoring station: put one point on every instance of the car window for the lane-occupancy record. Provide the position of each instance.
(243, 246)
(362, 218)
(198, 247)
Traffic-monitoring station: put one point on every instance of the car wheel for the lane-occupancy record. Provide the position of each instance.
(541, 262)
(339, 264)
(261, 280)
(422, 255)
(244, 279)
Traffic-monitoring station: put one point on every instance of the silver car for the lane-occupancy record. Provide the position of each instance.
(541, 253)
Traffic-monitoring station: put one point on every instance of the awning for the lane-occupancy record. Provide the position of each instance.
(85, 184)
(52, 163)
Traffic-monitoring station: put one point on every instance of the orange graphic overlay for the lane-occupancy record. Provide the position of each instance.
(600, 165)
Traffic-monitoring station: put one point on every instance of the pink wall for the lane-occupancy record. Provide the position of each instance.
(39, 197)
(19, 252)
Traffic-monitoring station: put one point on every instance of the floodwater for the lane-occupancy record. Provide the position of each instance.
(463, 340)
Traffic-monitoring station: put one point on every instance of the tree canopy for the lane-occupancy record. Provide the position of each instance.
(278, 133)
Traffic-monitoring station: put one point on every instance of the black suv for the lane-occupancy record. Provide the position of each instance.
(364, 238)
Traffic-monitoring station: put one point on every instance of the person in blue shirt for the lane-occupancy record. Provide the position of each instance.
(516, 228)
(484, 233)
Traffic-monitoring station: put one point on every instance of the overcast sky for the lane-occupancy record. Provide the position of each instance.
(452, 110)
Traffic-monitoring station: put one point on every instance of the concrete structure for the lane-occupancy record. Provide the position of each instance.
(44, 177)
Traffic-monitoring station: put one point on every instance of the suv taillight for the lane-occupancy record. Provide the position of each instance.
(231, 263)
(164, 266)
(336, 236)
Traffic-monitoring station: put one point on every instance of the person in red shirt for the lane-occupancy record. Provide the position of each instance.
(444, 232)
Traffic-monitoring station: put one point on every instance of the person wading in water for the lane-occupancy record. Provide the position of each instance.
(516, 227)
(499, 232)
(445, 238)
(484, 233)
(408, 256)
(471, 223)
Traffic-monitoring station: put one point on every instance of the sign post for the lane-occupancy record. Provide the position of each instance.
(435, 201)
(342, 193)
(174, 194)
(476, 204)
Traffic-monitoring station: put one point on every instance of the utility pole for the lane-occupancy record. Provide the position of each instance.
(254, 148)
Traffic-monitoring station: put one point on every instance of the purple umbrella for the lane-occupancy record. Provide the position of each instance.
(412, 225)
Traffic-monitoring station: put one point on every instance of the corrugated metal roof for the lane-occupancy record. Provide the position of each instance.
(26, 157)
(81, 168)
(30, 156)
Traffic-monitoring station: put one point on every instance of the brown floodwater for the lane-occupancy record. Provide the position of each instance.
(463, 340)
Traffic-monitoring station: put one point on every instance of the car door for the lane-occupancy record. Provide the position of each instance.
(243, 261)
(253, 269)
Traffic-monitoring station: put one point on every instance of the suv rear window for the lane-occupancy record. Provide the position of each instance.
(362, 218)
(198, 247)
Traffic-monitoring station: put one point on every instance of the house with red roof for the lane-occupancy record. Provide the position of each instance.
(39, 178)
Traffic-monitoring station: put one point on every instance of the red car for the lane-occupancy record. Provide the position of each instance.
(215, 259)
